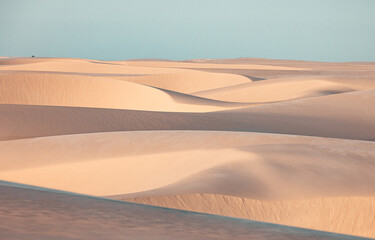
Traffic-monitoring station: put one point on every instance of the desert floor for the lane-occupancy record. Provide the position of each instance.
(199, 149)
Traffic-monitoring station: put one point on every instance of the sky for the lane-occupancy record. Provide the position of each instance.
(316, 30)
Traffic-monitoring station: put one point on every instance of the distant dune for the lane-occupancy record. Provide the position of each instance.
(80, 91)
(285, 142)
(281, 89)
(189, 82)
(353, 119)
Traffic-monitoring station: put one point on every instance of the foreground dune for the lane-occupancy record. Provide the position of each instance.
(44, 214)
(327, 173)
(246, 160)
(348, 215)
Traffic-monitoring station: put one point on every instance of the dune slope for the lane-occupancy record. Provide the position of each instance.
(44, 214)
(294, 175)
(80, 91)
(349, 115)
(281, 89)
(348, 215)
(189, 82)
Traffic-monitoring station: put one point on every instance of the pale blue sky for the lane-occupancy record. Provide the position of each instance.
(321, 30)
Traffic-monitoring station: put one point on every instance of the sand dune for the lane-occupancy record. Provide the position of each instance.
(189, 82)
(187, 65)
(302, 175)
(348, 215)
(348, 115)
(81, 66)
(44, 214)
(80, 91)
(322, 116)
(257, 159)
(281, 89)
(344, 69)
(305, 68)
(333, 66)
(267, 140)
(16, 60)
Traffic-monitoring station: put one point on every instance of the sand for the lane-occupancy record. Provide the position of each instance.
(350, 215)
(284, 142)
(79, 91)
(281, 89)
(33, 213)
(319, 116)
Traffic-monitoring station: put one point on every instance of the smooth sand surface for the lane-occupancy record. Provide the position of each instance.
(350, 215)
(281, 89)
(285, 142)
(242, 159)
(187, 65)
(294, 171)
(348, 115)
(189, 82)
(80, 91)
(80, 66)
